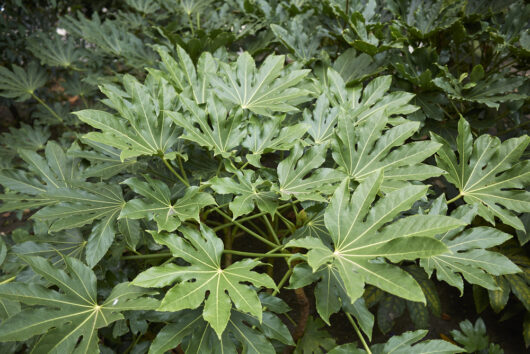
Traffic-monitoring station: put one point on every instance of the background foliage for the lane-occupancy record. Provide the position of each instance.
(227, 176)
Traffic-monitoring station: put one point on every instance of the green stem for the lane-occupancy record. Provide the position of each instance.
(261, 255)
(148, 256)
(242, 219)
(271, 229)
(282, 281)
(47, 107)
(286, 221)
(359, 334)
(191, 24)
(454, 199)
(181, 166)
(244, 228)
(168, 165)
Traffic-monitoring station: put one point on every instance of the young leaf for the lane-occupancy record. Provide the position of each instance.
(262, 91)
(488, 173)
(191, 83)
(467, 255)
(361, 233)
(143, 127)
(293, 170)
(202, 249)
(215, 128)
(73, 312)
(158, 204)
(249, 193)
(265, 135)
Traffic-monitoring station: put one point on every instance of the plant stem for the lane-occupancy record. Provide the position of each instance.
(262, 255)
(242, 219)
(47, 107)
(454, 199)
(286, 221)
(242, 227)
(148, 256)
(181, 166)
(359, 334)
(168, 165)
(282, 281)
(271, 229)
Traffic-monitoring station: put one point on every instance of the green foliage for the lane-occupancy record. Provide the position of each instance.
(236, 154)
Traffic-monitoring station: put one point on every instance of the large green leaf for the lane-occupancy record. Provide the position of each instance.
(158, 204)
(68, 318)
(362, 149)
(488, 173)
(362, 233)
(56, 51)
(203, 249)
(143, 127)
(249, 191)
(269, 89)
(467, 254)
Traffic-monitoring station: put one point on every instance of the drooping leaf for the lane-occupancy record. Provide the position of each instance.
(64, 316)
(488, 173)
(468, 256)
(202, 249)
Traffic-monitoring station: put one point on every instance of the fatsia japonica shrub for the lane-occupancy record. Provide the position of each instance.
(187, 188)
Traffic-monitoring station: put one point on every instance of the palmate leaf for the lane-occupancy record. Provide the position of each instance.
(316, 339)
(29, 189)
(250, 335)
(361, 233)
(158, 204)
(491, 91)
(98, 204)
(293, 171)
(192, 83)
(64, 316)
(360, 104)
(20, 84)
(360, 150)
(330, 295)
(143, 127)
(321, 120)
(264, 91)
(488, 173)
(249, 190)
(214, 127)
(105, 160)
(202, 249)
(467, 254)
(406, 343)
(53, 50)
(268, 135)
